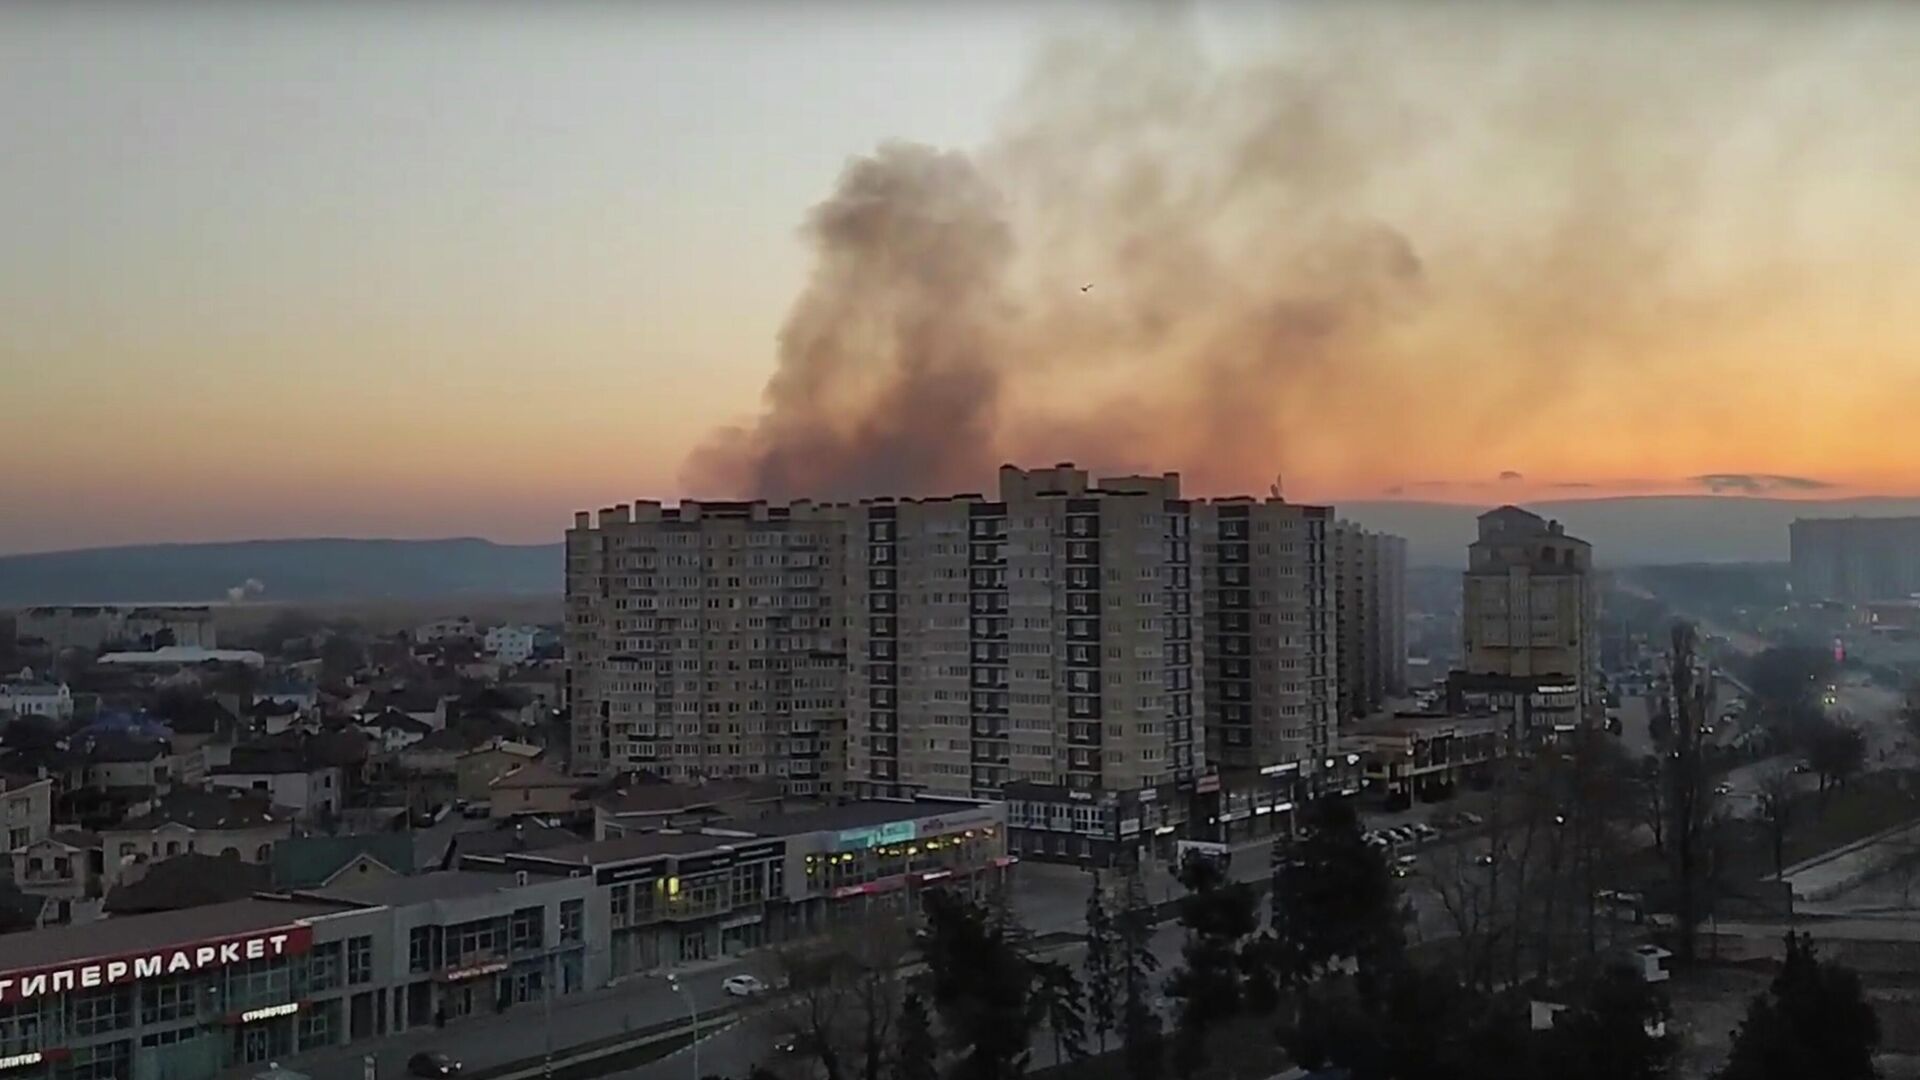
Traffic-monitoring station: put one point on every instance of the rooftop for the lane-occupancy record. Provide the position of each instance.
(207, 810)
(636, 846)
(642, 795)
(133, 933)
(416, 889)
(858, 815)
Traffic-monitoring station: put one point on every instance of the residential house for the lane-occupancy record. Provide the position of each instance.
(535, 788)
(302, 696)
(286, 776)
(420, 702)
(496, 703)
(436, 754)
(454, 628)
(272, 717)
(512, 644)
(129, 764)
(477, 769)
(26, 809)
(394, 731)
(51, 700)
(65, 867)
(314, 862)
(211, 822)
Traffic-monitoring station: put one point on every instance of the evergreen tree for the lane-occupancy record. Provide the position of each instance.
(1056, 1004)
(1812, 1021)
(917, 1057)
(1219, 917)
(1098, 970)
(1139, 1023)
(1617, 1031)
(1333, 899)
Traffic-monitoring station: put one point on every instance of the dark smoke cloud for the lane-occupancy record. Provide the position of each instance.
(1756, 483)
(1369, 237)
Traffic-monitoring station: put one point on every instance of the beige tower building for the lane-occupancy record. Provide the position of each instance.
(1049, 638)
(1271, 642)
(704, 641)
(1529, 618)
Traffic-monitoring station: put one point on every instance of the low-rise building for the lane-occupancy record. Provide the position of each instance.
(51, 700)
(394, 731)
(1414, 756)
(475, 770)
(636, 804)
(65, 868)
(209, 822)
(672, 898)
(512, 644)
(26, 809)
(284, 778)
(535, 788)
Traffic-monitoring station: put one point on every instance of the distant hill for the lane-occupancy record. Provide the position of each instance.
(285, 570)
(1634, 531)
(1629, 531)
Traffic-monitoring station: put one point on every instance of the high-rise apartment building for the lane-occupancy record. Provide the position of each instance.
(1048, 637)
(1370, 586)
(1271, 642)
(1529, 621)
(1855, 559)
(704, 641)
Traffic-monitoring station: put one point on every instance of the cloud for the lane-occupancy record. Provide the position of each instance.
(1583, 485)
(1508, 476)
(1756, 483)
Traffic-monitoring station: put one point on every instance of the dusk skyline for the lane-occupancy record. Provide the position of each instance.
(410, 271)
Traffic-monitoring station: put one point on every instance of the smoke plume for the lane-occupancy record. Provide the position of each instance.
(1363, 239)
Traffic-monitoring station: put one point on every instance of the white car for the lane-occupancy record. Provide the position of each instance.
(742, 985)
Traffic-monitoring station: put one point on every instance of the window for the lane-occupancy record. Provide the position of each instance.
(423, 949)
(528, 928)
(107, 1061)
(323, 967)
(359, 960)
(572, 920)
(165, 1000)
(20, 1028)
(93, 1012)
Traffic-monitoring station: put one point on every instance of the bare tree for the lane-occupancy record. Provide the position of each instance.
(1776, 810)
(1690, 796)
(847, 992)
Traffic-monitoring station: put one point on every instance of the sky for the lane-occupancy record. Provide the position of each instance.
(435, 269)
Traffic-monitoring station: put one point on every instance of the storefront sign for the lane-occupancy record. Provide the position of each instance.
(19, 1061)
(492, 967)
(31, 983)
(1207, 783)
(893, 832)
(269, 1012)
(621, 875)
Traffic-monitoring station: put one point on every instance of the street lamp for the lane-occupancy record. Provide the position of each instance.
(693, 1013)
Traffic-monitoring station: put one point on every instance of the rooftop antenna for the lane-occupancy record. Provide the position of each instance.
(1274, 488)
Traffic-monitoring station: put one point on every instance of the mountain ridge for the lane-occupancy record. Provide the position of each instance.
(1630, 530)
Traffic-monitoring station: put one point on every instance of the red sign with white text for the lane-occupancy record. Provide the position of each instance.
(29, 983)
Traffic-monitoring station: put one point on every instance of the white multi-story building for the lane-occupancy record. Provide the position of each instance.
(512, 644)
(703, 641)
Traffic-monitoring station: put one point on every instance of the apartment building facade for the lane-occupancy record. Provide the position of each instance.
(1856, 559)
(702, 641)
(1271, 644)
(1529, 622)
(1370, 583)
(1051, 636)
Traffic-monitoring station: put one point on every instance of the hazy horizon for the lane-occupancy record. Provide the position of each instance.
(416, 270)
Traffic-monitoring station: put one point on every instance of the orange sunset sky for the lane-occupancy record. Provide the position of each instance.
(431, 270)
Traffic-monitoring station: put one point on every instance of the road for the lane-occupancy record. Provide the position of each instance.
(754, 1039)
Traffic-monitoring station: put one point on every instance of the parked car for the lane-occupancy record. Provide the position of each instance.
(432, 1063)
(1426, 832)
(742, 985)
(1404, 866)
(1468, 817)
